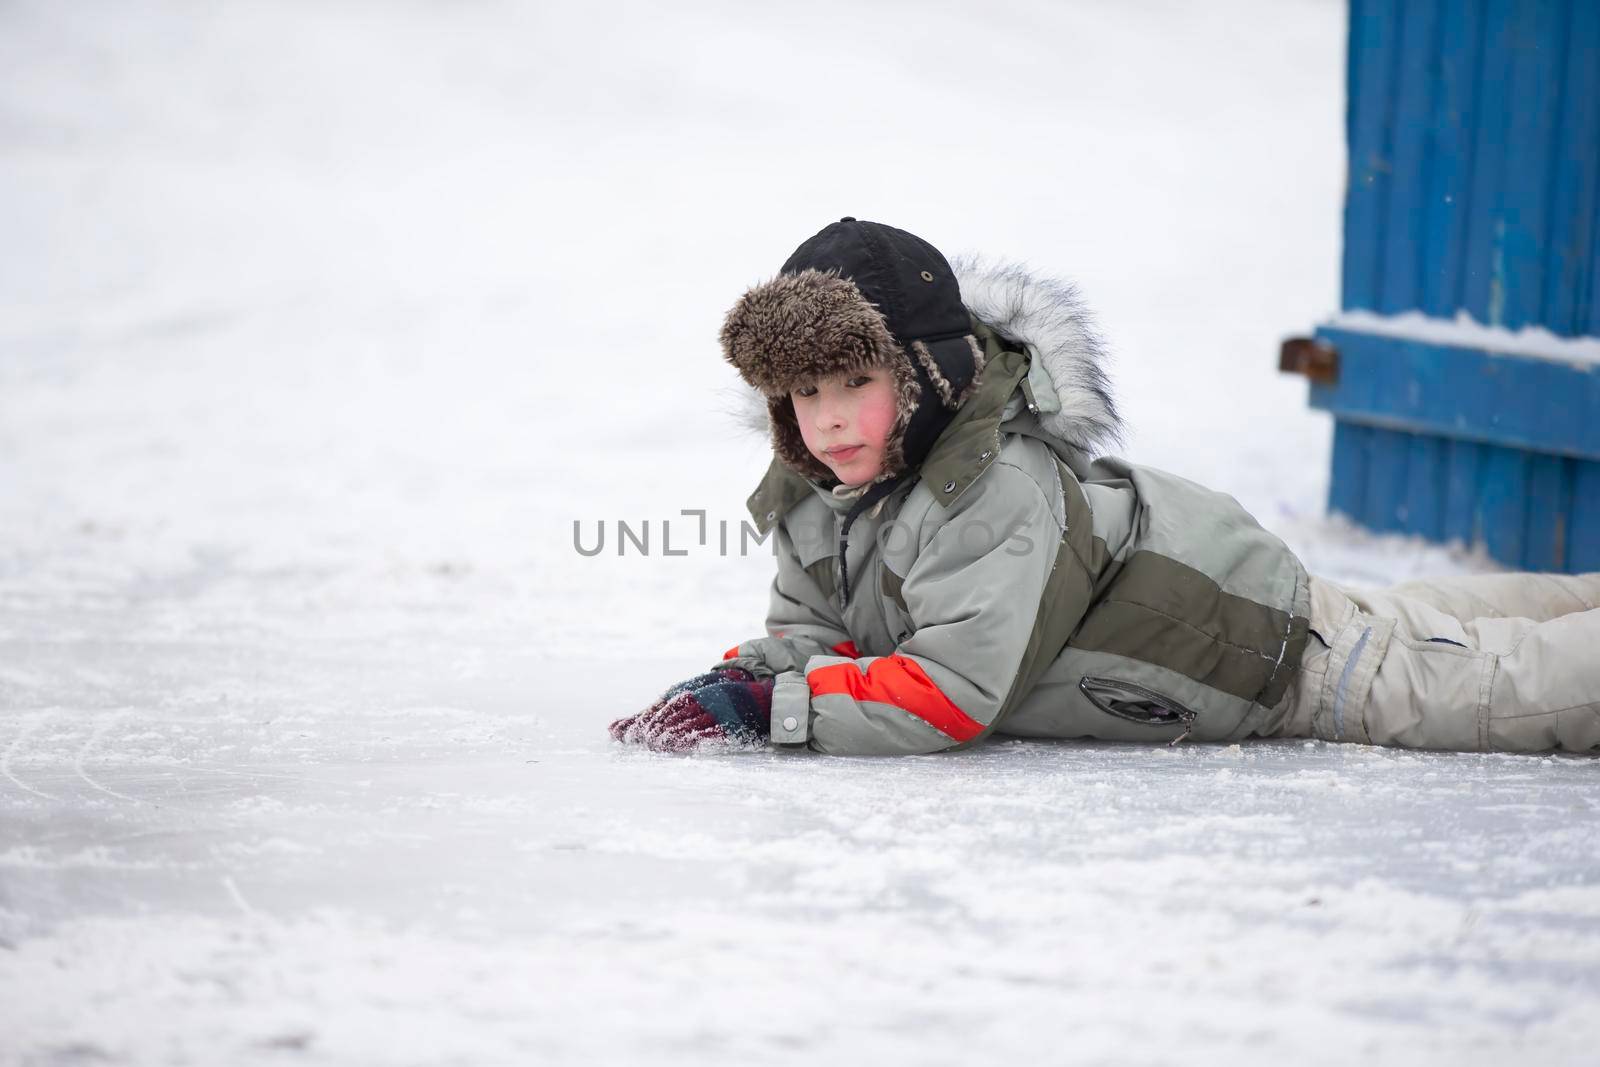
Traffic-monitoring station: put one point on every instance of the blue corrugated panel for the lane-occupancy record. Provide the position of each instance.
(1368, 124)
(1447, 175)
(1461, 521)
(1402, 244)
(1544, 529)
(1502, 504)
(1474, 139)
(1523, 215)
(1570, 285)
(1530, 510)
(1424, 508)
(1583, 521)
(1347, 487)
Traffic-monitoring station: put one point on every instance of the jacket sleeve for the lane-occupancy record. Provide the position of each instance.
(974, 596)
(801, 622)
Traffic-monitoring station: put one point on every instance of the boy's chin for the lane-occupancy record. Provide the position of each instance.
(855, 479)
(851, 475)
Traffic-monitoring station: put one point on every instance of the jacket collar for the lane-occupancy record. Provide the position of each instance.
(963, 451)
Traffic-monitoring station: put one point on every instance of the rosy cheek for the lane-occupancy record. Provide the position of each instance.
(879, 421)
(802, 419)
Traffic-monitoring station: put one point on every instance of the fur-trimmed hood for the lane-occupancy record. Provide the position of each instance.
(1048, 317)
(1045, 316)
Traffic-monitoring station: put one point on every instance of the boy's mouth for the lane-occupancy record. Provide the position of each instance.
(839, 455)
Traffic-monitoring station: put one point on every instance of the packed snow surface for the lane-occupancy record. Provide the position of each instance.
(323, 327)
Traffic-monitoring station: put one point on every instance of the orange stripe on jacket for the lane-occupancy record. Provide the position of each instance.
(734, 651)
(899, 681)
(847, 648)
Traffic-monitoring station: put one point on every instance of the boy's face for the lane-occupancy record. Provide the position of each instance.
(845, 420)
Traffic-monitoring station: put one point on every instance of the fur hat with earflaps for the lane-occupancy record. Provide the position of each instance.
(858, 295)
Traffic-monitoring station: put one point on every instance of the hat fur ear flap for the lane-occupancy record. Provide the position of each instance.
(906, 394)
(947, 392)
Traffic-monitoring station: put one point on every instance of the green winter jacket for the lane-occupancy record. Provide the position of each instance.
(1017, 587)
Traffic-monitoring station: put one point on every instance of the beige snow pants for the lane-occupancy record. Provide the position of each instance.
(1494, 662)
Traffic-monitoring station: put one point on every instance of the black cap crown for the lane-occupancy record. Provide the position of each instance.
(906, 277)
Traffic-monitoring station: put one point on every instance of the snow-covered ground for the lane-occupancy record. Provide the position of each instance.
(321, 325)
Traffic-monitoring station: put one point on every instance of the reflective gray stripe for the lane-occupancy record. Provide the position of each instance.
(1344, 681)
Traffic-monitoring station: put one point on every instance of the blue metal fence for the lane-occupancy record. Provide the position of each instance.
(1474, 186)
(1474, 138)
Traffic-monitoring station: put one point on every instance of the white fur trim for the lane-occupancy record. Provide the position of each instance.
(1047, 315)
(746, 408)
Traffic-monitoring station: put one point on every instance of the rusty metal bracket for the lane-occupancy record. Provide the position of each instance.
(1317, 360)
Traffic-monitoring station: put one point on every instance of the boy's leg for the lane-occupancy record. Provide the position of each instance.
(1454, 609)
(1545, 692)
(1376, 672)
(1336, 667)
(1518, 596)
(1520, 686)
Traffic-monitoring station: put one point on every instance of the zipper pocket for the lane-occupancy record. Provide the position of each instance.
(1135, 703)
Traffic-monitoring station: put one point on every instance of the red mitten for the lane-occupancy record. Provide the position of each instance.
(726, 705)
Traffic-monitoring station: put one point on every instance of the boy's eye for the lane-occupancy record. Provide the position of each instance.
(806, 390)
(859, 380)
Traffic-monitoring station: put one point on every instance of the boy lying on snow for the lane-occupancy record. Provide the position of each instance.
(951, 562)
